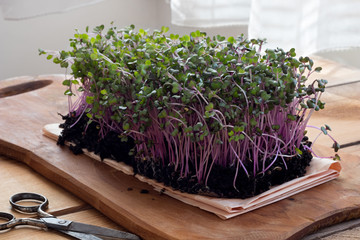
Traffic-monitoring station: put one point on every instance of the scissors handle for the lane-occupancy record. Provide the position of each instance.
(8, 217)
(39, 209)
(11, 221)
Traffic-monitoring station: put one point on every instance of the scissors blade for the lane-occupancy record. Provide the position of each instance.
(80, 236)
(101, 231)
(65, 225)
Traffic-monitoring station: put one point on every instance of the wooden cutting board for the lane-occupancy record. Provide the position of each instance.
(152, 215)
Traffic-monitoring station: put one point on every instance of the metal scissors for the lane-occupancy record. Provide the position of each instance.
(74, 229)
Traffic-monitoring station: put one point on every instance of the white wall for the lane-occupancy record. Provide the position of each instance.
(20, 40)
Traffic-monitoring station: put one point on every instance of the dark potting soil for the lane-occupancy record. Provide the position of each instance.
(220, 182)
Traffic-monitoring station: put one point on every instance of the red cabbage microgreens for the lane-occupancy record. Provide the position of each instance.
(193, 99)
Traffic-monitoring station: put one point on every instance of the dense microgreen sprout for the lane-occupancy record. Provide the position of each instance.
(193, 99)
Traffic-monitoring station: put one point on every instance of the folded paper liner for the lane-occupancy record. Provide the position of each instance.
(321, 170)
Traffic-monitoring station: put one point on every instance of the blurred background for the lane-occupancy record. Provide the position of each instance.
(329, 29)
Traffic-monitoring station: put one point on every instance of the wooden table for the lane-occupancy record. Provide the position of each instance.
(17, 177)
(342, 108)
(276, 221)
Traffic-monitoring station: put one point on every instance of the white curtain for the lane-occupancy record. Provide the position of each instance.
(210, 13)
(309, 26)
(24, 9)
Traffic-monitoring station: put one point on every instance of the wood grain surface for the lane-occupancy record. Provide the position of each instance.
(156, 216)
(17, 177)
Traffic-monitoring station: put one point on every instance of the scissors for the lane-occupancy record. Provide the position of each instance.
(74, 229)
